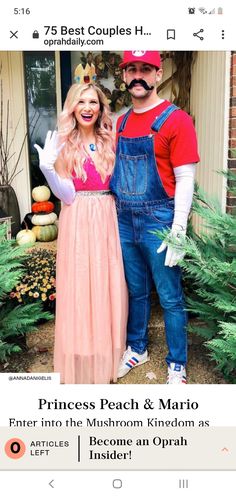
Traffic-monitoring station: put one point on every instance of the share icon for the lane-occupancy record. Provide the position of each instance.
(197, 34)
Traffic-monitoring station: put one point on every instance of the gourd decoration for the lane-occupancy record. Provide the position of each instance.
(25, 237)
(44, 219)
(41, 193)
(45, 233)
(43, 207)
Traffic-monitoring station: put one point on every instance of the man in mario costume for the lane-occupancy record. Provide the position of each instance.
(153, 183)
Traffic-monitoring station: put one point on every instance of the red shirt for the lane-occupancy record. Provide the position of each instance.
(175, 143)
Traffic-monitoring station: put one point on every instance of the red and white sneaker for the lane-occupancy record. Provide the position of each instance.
(130, 360)
(176, 374)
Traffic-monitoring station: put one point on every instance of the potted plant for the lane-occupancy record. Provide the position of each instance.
(9, 164)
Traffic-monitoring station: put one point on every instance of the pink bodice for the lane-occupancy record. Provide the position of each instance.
(93, 181)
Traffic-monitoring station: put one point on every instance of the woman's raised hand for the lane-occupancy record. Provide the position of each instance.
(63, 188)
(49, 154)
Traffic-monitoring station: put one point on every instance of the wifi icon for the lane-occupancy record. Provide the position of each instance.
(202, 10)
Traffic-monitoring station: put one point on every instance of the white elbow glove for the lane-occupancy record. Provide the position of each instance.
(184, 176)
(63, 188)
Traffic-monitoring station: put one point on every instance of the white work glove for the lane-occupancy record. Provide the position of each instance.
(63, 188)
(174, 239)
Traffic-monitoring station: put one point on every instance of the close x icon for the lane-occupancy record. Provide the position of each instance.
(14, 34)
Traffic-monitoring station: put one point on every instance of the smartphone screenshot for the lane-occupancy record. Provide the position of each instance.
(117, 249)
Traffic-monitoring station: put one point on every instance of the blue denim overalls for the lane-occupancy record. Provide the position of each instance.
(143, 206)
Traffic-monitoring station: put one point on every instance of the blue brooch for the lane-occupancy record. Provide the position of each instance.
(92, 147)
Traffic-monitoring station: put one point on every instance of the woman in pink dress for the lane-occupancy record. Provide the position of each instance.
(91, 306)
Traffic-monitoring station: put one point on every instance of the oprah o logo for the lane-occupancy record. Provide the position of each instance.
(15, 448)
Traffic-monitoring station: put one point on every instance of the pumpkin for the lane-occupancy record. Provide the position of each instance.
(25, 237)
(45, 233)
(42, 207)
(44, 219)
(41, 193)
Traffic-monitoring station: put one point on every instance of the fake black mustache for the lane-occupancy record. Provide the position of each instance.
(140, 82)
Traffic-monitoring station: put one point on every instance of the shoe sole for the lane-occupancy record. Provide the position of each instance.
(138, 365)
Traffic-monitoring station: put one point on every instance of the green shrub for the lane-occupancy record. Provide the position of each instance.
(15, 319)
(210, 274)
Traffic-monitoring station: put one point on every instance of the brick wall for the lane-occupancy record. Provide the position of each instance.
(231, 198)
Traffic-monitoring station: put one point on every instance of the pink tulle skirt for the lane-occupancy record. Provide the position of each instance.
(91, 304)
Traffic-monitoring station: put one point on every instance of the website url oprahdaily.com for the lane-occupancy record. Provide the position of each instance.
(80, 42)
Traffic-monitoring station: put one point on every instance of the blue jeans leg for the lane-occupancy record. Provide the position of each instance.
(169, 288)
(139, 283)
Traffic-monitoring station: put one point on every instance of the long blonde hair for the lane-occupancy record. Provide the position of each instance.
(73, 154)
